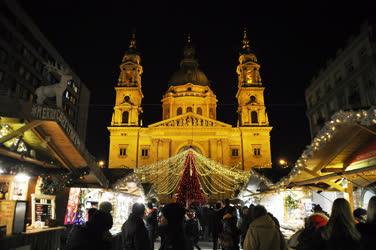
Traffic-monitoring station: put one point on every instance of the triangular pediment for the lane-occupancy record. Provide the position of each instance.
(190, 120)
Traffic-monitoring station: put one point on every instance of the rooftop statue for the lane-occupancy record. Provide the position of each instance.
(55, 90)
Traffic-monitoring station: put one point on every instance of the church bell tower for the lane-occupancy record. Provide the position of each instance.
(250, 95)
(129, 95)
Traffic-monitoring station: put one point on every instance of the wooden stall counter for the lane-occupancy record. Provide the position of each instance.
(34, 239)
(31, 230)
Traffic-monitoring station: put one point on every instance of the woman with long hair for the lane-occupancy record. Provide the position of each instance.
(371, 211)
(368, 229)
(340, 232)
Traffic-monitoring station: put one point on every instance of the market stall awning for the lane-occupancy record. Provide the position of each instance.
(344, 148)
(261, 180)
(129, 183)
(47, 137)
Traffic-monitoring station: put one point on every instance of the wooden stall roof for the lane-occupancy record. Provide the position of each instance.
(50, 134)
(333, 158)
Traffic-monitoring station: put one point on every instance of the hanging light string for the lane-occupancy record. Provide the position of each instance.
(214, 177)
(341, 118)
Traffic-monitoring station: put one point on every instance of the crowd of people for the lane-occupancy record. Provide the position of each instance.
(229, 228)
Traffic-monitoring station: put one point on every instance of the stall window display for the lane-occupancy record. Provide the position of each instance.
(14, 187)
(73, 200)
(43, 210)
(82, 199)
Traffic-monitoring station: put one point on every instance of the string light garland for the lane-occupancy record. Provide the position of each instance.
(17, 143)
(341, 118)
(52, 184)
(213, 177)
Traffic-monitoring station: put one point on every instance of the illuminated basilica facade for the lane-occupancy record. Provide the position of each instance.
(189, 117)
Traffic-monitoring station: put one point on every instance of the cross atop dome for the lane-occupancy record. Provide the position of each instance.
(132, 42)
(189, 52)
(245, 42)
(189, 39)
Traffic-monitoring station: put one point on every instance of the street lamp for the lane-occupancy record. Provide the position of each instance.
(101, 163)
(282, 162)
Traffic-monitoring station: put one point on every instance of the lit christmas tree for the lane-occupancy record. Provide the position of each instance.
(189, 189)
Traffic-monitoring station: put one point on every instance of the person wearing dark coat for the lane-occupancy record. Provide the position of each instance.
(192, 228)
(216, 225)
(368, 229)
(106, 208)
(310, 237)
(151, 220)
(89, 236)
(133, 231)
(226, 206)
(171, 228)
(340, 232)
(245, 220)
(230, 234)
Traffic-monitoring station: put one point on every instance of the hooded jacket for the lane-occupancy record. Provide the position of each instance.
(262, 234)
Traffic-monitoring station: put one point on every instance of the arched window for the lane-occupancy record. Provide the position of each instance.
(254, 118)
(167, 113)
(199, 111)
(211, 113)
(189, 109)
(125, 117)
(179, 111)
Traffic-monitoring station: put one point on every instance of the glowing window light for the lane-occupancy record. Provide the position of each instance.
(22, 177)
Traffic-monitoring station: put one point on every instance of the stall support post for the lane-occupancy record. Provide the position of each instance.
(350, 195)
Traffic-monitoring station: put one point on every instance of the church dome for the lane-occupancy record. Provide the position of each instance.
(189, 75)
(189, 71)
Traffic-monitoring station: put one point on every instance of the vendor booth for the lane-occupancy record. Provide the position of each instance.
(339, 163)
(40, 155)
(82, 199)
(27, 217)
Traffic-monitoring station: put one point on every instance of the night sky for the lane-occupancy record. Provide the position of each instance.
(292, 43)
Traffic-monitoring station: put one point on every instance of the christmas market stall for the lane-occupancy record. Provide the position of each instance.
(339, 163)
(40, 155)
(123, 194)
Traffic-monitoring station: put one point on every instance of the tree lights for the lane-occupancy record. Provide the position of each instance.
(189, 189)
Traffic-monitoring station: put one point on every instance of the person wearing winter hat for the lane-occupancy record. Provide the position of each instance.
(309, 237)
(171, 228)
(318, 220)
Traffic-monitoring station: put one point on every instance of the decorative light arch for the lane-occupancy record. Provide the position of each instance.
(214, 177)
